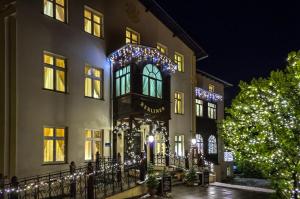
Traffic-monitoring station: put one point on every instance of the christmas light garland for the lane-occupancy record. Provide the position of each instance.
(138, 53)
(207, 95)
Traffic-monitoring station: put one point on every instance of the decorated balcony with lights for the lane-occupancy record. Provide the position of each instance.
(141, 82)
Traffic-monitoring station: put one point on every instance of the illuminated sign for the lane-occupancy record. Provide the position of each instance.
(150, 109)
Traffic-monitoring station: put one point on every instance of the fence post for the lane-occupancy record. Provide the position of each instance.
(1, 186)
(90, 183)
(73, 180)
(14, 185)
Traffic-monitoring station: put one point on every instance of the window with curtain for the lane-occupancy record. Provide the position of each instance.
(179, 60)
(93, 144)
(122, 81)
(54, 72)
(93, 83)
(199, 108)
(199, 143)
(179, 145)
(93, 22)
(152, 81)
(54, 145)
(212, 110)
(179, 103)
(55, 9)
(163, 49)
(211, 88)
(132, 37)
(212, 145)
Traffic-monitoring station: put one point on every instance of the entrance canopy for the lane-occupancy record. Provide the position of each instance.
(138, 53)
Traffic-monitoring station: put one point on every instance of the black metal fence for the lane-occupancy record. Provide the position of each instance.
(100, 179)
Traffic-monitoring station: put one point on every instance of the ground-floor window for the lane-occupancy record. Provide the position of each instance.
(93, 144)
(54, 145)
(179, 145)
(160, 146)
(212, 145)
(199, 143)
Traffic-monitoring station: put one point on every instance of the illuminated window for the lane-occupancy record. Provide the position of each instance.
(212, 111)
(122, 81)
(212, 145)
(179, 103)
(179, 145)
(152, 81)
(54, 145)
(228, 156)
(160, 146)
(199, 108)
(55, 9)
(93, 22)
(54, 72)
(179, 60)
(132, 36)
(93, 144)
(211, 88)
(199, 143)
(93, 82)
(163, 49)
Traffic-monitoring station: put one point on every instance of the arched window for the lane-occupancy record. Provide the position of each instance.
(212, 145)
(199, 143)
(152, 81)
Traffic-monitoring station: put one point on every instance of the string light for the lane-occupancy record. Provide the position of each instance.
(138, 53)
(207, 95)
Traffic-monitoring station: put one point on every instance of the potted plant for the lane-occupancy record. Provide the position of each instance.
(191, 177)
(152, 182)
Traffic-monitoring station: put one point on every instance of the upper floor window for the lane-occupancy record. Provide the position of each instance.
(132, 36)
(54, 72)
(93, 22)
(93, 144)
(179, 102)
(55, 9)
(54, 145)
(163, 49)
(93, 83)
(212, 145)
(179, 60)
(199, 108)
(152, 81)
(212, 110)
(179, 145)
(211, 88)
(199, 143)
(122, 81)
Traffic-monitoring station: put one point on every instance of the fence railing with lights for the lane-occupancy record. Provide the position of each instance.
(99, 179)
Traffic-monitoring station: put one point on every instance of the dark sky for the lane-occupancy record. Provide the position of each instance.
(244, 39)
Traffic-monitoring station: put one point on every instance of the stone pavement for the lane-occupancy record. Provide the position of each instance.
(213, 192)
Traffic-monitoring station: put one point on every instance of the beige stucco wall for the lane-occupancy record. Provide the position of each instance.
(36, 108)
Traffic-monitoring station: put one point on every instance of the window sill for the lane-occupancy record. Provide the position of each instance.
(179, 113)
(52, 18)
(55, 91)
(94, 36)
(54, 163)
(98, 99)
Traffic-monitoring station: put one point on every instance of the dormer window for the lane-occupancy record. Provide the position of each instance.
(152, 81)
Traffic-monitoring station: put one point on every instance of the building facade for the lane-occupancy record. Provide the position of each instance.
(94, 76)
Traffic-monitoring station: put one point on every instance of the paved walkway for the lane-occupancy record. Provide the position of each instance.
(214, 192)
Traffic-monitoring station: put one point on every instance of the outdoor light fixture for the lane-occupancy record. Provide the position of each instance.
(151, 138)
(193, 141)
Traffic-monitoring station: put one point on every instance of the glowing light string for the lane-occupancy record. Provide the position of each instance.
(138, 53)
(207, 95)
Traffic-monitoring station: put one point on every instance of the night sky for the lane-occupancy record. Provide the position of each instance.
(244, 39)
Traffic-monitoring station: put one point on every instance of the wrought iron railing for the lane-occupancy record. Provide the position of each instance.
(100, 179)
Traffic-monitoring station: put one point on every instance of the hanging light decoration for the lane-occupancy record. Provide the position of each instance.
(207, 95)
(139, 53)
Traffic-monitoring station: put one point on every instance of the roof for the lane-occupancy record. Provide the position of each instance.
(214, 78)
(177, 30)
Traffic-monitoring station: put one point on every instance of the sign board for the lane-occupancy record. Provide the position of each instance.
(206, 177)
(167, 184)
